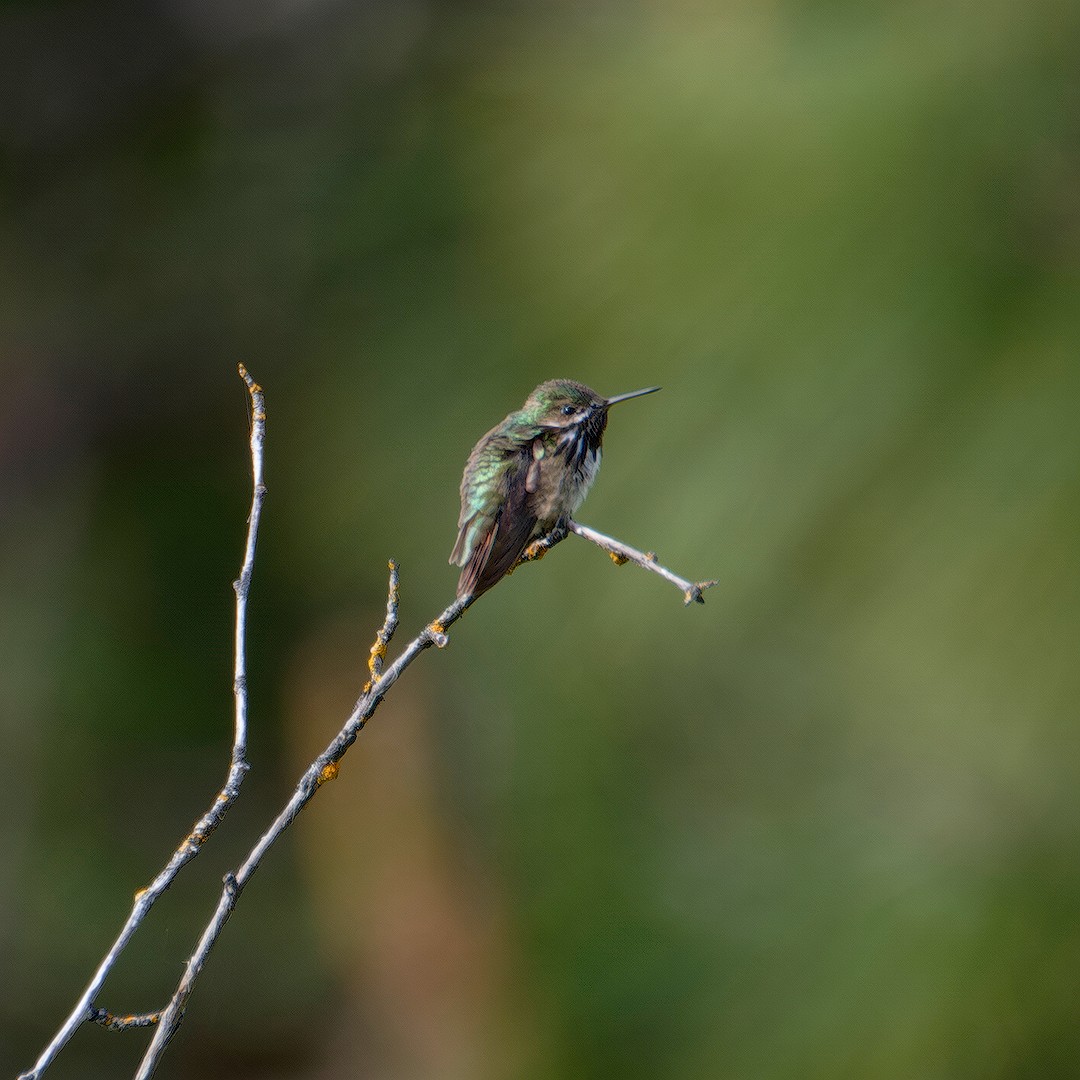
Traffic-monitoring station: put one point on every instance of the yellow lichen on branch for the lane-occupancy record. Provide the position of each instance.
(378, 655)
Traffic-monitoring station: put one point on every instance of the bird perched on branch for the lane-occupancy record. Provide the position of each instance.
(526, 478)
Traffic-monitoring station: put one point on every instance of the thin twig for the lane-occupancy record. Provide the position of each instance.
(122, 1023)
(386, 631)
(85, 1009)
(622, 553)
(323, 769)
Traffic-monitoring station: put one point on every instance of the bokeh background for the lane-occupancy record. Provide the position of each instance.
(825, 826)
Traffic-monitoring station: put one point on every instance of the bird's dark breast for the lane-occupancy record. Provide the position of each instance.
(578, 443)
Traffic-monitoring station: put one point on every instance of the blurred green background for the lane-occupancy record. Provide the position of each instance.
(825, 826)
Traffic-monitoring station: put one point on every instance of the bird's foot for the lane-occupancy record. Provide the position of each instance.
(541, 546)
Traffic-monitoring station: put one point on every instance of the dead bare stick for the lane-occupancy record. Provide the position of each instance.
(323, 769)
(622, 553)
(85, 1010)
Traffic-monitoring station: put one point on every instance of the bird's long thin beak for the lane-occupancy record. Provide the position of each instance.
(626, 397)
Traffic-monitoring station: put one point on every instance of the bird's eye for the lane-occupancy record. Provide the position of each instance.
(568, 410)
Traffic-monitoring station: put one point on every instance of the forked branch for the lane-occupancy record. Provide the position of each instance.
(323, 769)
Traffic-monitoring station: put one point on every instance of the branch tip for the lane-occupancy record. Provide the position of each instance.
(620, 553)
(252, 385)
(694, 594)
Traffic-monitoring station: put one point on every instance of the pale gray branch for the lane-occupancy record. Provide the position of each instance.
(85, 1010)
(621, 553)
(322, 769)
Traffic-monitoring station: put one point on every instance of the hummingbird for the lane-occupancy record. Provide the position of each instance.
(526, 478)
